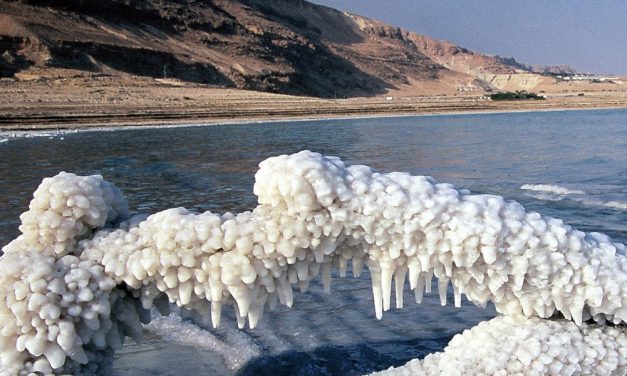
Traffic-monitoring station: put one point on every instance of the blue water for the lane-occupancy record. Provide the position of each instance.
(212, 168)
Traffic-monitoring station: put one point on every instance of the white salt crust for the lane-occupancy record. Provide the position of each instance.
(71, 293)
(518, 345)
(62, 314)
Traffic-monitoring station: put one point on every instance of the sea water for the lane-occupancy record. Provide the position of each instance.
(570, 165)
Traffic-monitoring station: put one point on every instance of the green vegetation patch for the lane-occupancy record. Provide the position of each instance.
(518, 95)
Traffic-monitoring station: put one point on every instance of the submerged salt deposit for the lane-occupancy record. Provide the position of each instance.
(83, 275)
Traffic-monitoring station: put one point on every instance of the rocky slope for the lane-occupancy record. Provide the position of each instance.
(540, 69)
(282, 46)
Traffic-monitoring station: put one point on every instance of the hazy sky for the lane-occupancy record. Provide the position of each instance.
(589, 35)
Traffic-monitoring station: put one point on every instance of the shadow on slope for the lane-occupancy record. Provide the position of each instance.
(137, 61)
(259, 47)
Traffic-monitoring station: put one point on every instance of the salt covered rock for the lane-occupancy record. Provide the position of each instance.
(67, 208)
(82, 275)
(518, 345)
(61, 313)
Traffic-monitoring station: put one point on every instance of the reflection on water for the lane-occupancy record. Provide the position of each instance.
(212, 168)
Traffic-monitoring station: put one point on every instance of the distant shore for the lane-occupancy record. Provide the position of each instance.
(138, 118)
(47, 130)
(68, 104)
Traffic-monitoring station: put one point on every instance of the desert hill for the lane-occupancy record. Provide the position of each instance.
(279, 46)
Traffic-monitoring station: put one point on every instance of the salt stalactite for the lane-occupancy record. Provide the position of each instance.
(314, 214)
(518, 345)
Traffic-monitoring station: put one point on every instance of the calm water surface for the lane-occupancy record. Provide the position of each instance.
(571, 165)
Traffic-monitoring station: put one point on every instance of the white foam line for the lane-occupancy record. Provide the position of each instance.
(590, 202)
(616, 205)
(550, 188)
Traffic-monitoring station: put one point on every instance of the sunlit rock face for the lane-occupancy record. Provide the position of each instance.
(83, 275)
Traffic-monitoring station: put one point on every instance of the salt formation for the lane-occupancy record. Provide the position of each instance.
(516, 345)
(82, 275)
(61, 313)
(65, 209)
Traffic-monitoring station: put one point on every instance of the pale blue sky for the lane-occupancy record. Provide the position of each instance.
(589, 35)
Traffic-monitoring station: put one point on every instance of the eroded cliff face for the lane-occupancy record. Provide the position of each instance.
(513, 82)
(443, 53)
(283, 46)
(540, 69)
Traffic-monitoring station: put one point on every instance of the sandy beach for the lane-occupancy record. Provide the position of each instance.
(83, 101)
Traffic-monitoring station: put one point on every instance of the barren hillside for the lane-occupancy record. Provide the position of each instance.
(280, 46)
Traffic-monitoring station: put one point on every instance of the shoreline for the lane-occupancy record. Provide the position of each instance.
(35, 131)
(67, 102)
(67, 124)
